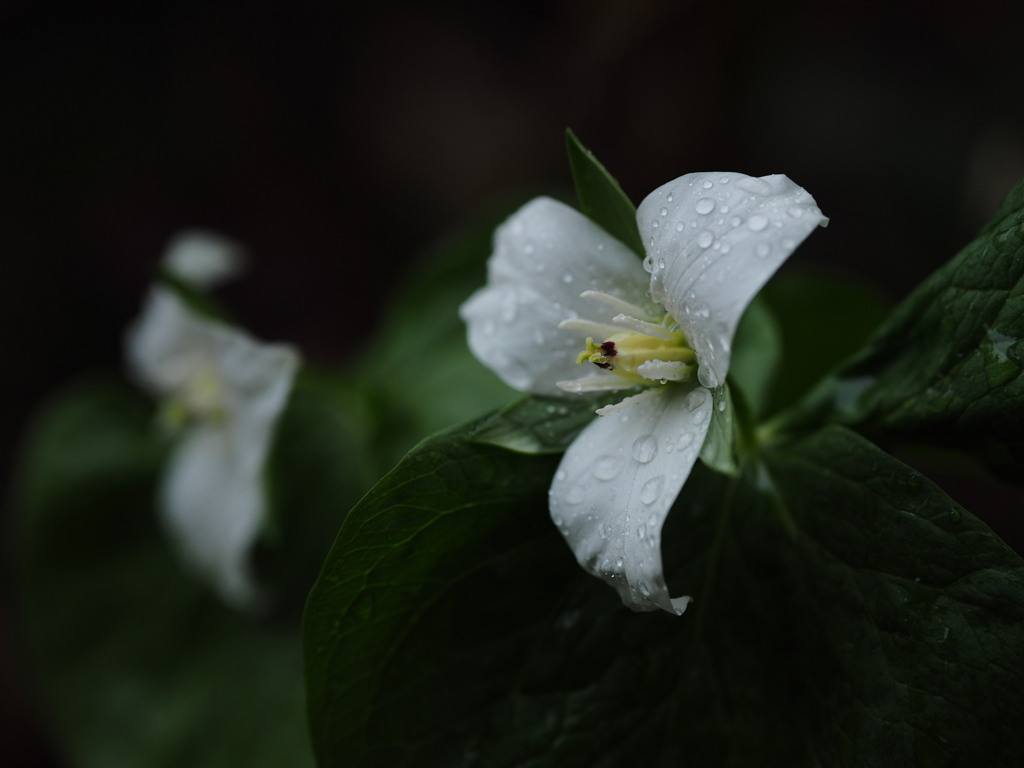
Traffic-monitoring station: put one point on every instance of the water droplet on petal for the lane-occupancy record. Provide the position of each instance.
(757, 222)
(680, 226)
(708, 184)
(651, 490)
(575, 495)
(664, 211)
(655, 223)
(704, 206)
(721, 406)
(645, 448)
(763, 249)
(641, 531)
(566, 278)
(699, 417)
(561, 474)
(705, 239)
(618, 562)
(795, 211)
(669, 198)
(607, 467)
(684, 441)
(696, 399)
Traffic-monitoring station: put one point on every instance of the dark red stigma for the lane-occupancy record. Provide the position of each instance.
(608, 350)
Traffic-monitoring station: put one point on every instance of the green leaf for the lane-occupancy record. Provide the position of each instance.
(137, 664)
(846, 612)
(537, 424)
(946, 367)
(756, 354)
(821, 320)
(601, 198)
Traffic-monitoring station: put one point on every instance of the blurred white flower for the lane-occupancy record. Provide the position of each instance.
(557, 282)
(221, 391)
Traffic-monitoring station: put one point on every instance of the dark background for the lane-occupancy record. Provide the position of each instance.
(335, 141)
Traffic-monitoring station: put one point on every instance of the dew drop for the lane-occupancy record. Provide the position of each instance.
(788, 243)
(557, 520)
(641, 531)
(699, 417)
(705, 239)
(735, 221)
(724, 180)
(664, 211)
(679, 226)
(669, 197)
(607, 467)
(795, 211)
(566, 278)
(696, 399)
(661, 263)
(763, 249)
(655, 223)
(704, 206)
(561, 474)
(684, 441)
(644, 589)
(618, 562)
(708, 184)
(651, 490)
(645, 448)
(575, 495)
(757, 222)
(721, 406)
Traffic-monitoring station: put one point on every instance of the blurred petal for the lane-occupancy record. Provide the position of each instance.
(713, 240)
(213, 508)
(618, 481)
(544, 257)
(203, 258)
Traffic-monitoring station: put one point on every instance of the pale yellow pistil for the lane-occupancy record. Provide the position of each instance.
(641, 358)
(201, 398)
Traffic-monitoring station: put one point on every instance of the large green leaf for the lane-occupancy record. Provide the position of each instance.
(846, 612)
(601, 198)
(137, 663)
(946, 366)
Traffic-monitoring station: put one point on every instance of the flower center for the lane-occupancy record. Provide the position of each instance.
(200, 398)
(643, 358)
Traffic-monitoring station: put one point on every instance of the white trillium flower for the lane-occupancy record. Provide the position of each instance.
(222, 391)
(562, 292)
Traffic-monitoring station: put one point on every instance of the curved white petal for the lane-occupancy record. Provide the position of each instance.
(213, 508)
(616, 484)
(203, 258)
(544, 257)
(713, 240)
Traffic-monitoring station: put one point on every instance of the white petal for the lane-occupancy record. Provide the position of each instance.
(212, 509)
(203, 258)
(544, 257)
(713, 240)
(616, 484)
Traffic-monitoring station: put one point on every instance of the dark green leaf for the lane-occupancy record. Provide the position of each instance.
(821, 321)
(601, 198)
(537, 424)
(847, 613)
(946, 367)
(137, 664)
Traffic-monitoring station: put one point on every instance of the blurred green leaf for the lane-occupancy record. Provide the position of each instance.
(601, 198)
(137, 663)
(821, 320)
(846, 612)
(418, 369)
(945, 368)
